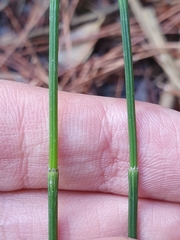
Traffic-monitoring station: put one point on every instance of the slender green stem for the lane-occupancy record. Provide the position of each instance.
(133, 171)
(53, 204)
(53, 121)
(133, 202)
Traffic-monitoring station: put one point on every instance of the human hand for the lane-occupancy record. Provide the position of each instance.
(93, 165)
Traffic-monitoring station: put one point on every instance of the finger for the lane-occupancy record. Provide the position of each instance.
(114, 238)
(93, 143)
(85, 216)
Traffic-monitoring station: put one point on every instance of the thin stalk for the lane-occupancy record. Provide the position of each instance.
(129, 76)
(53, 173)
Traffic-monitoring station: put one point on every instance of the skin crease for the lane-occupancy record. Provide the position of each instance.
(93, 165)
(114, 238)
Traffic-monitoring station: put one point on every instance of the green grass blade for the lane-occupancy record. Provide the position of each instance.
(129, 76)
(53, 121)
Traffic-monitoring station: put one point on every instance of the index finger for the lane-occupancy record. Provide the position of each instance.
(93, 143)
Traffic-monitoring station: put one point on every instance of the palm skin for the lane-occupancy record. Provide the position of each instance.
(93, 165)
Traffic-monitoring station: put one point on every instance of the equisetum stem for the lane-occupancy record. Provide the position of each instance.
(53, 121)
(133, 202)
(129, 76)
(53, 204)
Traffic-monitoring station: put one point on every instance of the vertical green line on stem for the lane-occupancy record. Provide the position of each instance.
(53, 173)
(129, 76)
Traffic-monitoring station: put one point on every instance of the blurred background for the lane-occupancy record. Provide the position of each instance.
(90, 49)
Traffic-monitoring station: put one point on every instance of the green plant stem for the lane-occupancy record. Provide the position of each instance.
(53, 173)
(53, 204)
(129, 76)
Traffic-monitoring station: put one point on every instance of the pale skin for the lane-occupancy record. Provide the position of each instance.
(93, 165)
